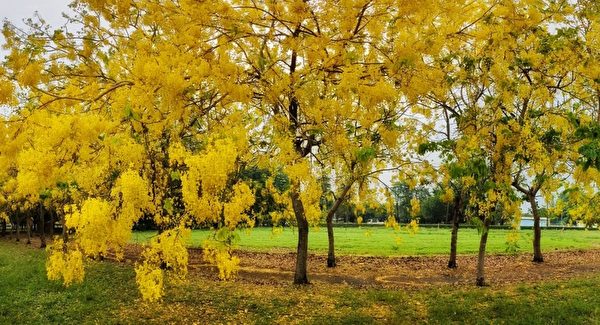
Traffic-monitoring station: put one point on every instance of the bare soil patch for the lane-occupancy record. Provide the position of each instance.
(276, 268)
(424, 271)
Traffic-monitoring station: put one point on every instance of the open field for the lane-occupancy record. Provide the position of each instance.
(380, 241)
(108, 295)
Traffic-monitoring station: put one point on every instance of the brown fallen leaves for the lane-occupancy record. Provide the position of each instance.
(276, 268)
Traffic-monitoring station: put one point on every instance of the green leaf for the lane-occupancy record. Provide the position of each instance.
(365, 154)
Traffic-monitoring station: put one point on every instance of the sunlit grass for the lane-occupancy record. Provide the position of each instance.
(387, 242)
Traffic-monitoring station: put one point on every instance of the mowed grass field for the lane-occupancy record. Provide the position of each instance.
(108, 296)
(381, 241)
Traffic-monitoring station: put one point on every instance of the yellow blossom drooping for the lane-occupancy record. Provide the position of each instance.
(415, 207)
(65, 266)
(166, 255)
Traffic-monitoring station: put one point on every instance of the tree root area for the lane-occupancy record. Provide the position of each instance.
(406, 272)
(276, 268)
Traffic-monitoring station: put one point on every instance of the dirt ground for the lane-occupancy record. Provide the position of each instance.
(421, 271)
(276, 268)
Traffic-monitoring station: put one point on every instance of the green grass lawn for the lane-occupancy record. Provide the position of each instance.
(385, 242)
(108, 296)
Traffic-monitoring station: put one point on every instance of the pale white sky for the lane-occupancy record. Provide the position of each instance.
(17, 10)
(50, 10)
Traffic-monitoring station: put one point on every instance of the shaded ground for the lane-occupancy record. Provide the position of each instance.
(276, 268)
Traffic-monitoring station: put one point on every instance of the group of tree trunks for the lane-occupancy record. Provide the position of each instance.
(33, 221)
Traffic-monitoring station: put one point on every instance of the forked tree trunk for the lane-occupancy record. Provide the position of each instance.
(300, 275)
(331, 262)
(481, 257)
(42, 227)
(456, 212)
(537, 231)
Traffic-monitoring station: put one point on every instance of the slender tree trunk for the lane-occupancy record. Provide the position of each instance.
(301, 274)
(481, 258)
(29, 225)
(18, 227)
(331, 262)
(456, 212)
(42, 227)
(537, 231)
(331, 252)
(11, 222)
(3, 228)
(65, 233)
(52, 221)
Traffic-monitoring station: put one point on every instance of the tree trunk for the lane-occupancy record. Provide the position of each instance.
(28, 224)
(65, 233)
(456, 211)
(300, 275)
(481, 258)
(42, 227)
(537, 231)
(17, 225)
(331, 252)
(3, 228)
(331, 262)
(52, 221)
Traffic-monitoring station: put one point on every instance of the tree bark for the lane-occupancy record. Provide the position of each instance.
(456, 212)
(537, 231)
(17, 227)
(42, 227)
(65, 233)
(3, 228)
(331, 262)
(481, 257)
(300, 275)
(28, 224)
(331, 252)
(52, 221)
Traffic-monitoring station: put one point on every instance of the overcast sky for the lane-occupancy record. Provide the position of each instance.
(50, 10)
(17, 10)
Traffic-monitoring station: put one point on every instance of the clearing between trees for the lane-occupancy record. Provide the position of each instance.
(275, 268)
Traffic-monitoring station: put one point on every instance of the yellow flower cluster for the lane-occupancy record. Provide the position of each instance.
(206, 179)
(150, 281)
(166, 254)
(95, 228)
(132, 197)
(448, 195)
(220, 255)
(415, 207)
(65, 266)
